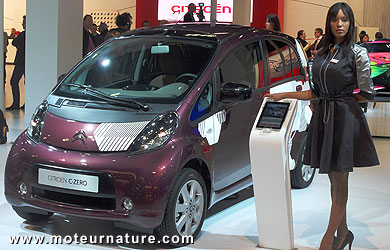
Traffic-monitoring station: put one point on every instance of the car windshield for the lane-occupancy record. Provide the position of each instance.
(377, 47)
(149, 69)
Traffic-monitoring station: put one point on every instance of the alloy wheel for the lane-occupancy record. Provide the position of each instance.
(307, 172)
(189, 208)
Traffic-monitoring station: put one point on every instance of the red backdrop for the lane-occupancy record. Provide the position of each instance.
(148, 10)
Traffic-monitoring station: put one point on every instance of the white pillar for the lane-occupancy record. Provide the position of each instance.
(242, 12)
(53, 46)
(2, 54)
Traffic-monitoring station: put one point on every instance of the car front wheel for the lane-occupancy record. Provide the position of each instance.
(186, 207)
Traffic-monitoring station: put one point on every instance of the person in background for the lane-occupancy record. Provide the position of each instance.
(189, 16)
(123, 22)
(5, 35)
(272, 23)
(88, 39)
(301, 37)
(103, 30)
(361, 35)
(339, 138)
(378, 35)
(364, 38)
(93, 30)
(13, 34)
(318, 43)
(145, 23)
(20, 43)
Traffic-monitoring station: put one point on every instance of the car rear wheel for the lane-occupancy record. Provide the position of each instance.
(302, 175)
(186, 207)
(40, 215)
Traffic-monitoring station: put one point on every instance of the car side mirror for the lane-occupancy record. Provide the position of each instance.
(235, 91)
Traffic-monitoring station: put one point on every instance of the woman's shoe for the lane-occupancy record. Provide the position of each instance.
(348, 240)
(13, 107)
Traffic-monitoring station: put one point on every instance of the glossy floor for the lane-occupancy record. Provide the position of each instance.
(231, 224)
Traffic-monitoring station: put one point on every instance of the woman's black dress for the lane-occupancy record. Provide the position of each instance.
(339, 138)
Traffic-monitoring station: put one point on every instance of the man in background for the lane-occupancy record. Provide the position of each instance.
(5, 50)
(145, 24)
(318, 33)
(88, 39)
(189, 16)
(378, 35)
(93, 30)
(103, 30)
(20, 43)
(124, 22)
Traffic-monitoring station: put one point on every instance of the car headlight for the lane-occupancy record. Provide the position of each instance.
(156, 133)
(34, 130)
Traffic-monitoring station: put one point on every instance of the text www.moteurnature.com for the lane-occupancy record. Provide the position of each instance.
(100, 239)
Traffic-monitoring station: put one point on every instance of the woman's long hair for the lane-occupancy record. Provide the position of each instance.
(272, 18)
(299, 34)
(329, 37)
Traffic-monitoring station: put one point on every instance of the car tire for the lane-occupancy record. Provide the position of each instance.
(30, 216)
(302, 175)
(186, 207)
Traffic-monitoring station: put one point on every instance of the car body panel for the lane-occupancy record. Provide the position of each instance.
(93, 137)
(379, 53)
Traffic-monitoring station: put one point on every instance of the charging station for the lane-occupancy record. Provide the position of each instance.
(271, 173)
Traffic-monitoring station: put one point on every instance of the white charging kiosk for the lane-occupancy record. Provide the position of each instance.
(271, 173)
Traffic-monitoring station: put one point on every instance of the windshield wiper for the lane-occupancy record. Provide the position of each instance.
(89, 90)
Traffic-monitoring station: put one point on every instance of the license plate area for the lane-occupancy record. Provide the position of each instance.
(70, 181)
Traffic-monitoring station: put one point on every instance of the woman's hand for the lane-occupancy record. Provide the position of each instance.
(276, 97)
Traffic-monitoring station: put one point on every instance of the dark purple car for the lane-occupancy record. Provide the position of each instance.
(152, 128)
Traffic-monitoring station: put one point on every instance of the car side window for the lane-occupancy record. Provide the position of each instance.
(244, 66)
(285, 50)
(280, 60)
(295, 63)
(275, 62)
(204, 103)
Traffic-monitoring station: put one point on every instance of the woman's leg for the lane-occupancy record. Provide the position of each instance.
(337, 219)
(342, 229)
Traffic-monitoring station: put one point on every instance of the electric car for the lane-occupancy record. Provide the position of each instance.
(152, 128)
(379, 52)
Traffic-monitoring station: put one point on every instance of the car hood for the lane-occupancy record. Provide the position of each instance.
(96, 130)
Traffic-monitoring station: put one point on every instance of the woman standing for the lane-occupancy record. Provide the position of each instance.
(339, 138)
(301, 37)
(272, 23)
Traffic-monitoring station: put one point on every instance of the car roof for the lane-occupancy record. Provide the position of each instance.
(220, 32)
(383, 40)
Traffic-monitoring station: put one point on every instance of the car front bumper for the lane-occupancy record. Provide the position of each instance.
(140, 177)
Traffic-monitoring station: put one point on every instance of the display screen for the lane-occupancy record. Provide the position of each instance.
(273, 115)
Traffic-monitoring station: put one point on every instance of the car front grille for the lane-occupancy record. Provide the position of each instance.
(75, 200)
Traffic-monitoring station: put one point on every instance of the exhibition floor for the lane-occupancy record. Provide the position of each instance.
(231, 224)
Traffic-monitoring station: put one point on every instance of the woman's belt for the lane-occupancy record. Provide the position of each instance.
(329, 98)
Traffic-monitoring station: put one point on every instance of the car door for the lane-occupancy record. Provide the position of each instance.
(231, 154)
(287, 75)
